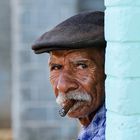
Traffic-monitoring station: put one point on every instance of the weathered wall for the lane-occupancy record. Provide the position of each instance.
(122, 32)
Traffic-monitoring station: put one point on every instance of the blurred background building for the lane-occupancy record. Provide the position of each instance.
(27, 102)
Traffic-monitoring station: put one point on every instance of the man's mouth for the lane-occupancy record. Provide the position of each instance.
(70, 106)
(76, 105)
(72, 101)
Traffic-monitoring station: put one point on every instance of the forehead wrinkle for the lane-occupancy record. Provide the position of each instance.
(83, 57)
(71, 55)
(54, 57)
(58, 56)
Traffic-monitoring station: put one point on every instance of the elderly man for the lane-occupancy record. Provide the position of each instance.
(77, 54)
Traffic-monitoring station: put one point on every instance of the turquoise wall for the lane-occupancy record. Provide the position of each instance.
(122, 32)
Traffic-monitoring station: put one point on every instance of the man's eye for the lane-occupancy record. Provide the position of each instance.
(56, 67)
(82, 65)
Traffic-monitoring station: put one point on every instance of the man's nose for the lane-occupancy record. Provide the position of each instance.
(66, 83)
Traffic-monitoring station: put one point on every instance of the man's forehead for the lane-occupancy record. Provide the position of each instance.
(73, 53)
(59, 53)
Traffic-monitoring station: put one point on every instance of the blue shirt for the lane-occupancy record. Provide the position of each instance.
(96, 129)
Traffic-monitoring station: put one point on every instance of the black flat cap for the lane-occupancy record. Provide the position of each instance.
(80, 31)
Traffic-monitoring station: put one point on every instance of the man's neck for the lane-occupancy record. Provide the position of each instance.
(85, 121)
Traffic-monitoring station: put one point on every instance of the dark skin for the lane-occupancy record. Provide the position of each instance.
(79, 70)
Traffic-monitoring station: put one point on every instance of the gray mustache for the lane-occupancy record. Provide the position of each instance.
(82, 96)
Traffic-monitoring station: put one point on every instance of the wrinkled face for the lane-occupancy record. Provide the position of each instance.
(79, 75)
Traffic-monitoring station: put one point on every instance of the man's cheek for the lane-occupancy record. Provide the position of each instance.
(89, 85)
(83, 78)
(53, 81)
(53, 78)
(89, 78)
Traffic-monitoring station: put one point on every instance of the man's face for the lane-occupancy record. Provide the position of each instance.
(79, 75)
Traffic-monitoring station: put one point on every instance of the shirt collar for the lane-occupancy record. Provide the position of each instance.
(96, 129)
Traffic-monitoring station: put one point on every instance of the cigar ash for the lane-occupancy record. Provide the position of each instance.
(64, 110)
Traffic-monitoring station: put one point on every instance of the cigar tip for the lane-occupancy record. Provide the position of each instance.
(62, 112)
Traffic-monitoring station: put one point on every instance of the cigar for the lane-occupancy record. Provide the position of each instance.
(64, 110)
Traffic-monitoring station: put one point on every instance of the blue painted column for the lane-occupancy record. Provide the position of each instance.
(122, 32)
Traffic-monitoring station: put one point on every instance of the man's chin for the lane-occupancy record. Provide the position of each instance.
(83, 117)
